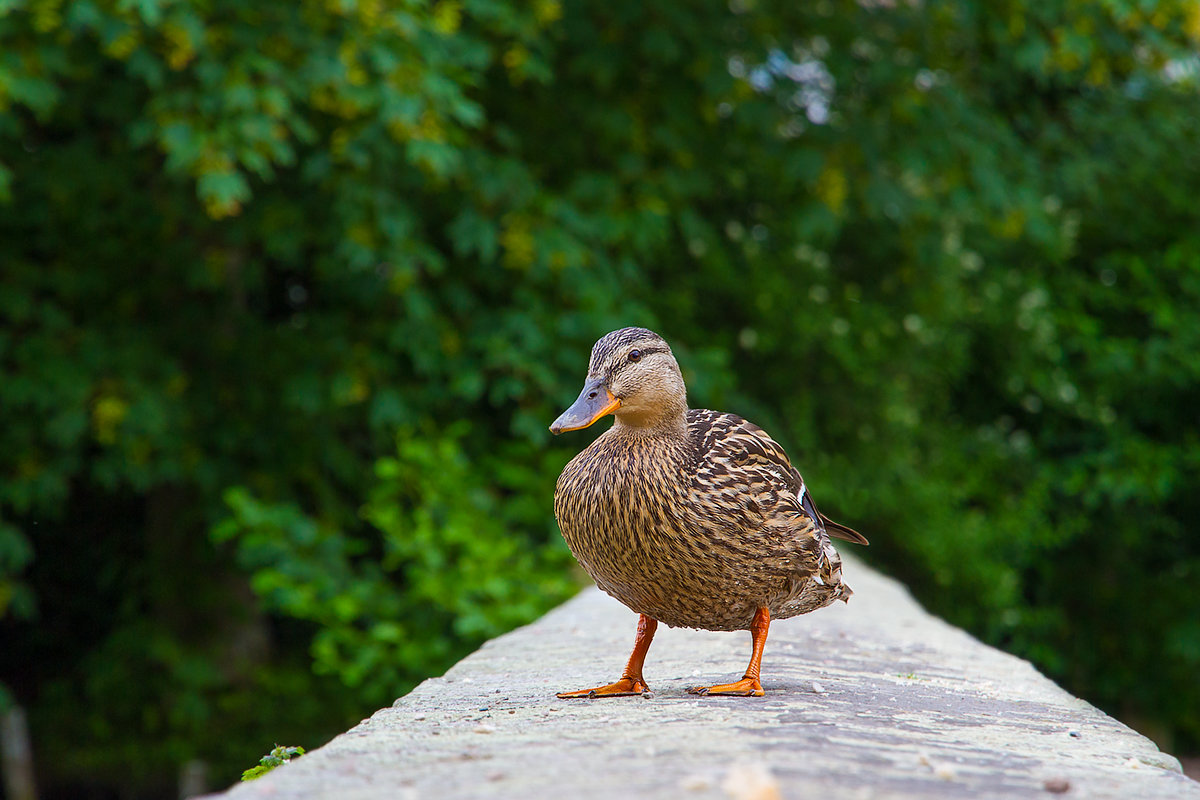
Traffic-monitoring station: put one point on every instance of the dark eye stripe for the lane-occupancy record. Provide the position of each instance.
(642, 353)
(625, 362)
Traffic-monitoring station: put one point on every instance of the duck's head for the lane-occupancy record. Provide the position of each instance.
(632, 375)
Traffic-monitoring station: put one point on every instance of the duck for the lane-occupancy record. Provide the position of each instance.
(689, 517)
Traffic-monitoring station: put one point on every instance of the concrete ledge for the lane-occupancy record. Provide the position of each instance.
(876, 699)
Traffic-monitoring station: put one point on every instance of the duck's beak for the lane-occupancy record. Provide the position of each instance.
(594, 402)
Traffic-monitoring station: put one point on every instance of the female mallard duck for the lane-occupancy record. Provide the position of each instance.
(690, 517)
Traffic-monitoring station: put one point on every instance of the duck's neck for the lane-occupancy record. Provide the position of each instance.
(670, 424)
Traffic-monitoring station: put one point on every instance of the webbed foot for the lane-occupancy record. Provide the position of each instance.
(622, 688)
(746, 687)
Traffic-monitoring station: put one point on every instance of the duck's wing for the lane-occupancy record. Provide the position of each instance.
(739, 463)
(839, 531)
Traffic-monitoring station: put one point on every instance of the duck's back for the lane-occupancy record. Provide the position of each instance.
(698, 528)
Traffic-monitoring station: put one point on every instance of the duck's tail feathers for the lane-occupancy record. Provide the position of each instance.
(840, 531)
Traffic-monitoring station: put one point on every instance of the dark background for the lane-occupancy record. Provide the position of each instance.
(290, 292)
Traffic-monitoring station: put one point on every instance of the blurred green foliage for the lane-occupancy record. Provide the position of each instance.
(291, 291)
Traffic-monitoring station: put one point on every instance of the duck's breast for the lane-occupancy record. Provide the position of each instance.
(619, 507)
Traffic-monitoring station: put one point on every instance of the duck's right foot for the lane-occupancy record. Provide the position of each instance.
(746, 687)
(622, 688)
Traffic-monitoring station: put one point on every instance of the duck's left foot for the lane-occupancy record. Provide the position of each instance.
(622, 688)
(631, 682)
(746, 687)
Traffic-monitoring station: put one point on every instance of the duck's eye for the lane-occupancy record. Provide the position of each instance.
(635, 355)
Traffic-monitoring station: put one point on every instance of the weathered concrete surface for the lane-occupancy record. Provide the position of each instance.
(876, 699)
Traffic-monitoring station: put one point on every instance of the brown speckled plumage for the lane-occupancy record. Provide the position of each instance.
(692, 517)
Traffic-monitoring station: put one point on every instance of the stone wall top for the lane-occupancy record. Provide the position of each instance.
(874, 699)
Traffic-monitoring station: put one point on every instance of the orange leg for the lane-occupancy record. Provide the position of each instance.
(631, 679)
(748, 686)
